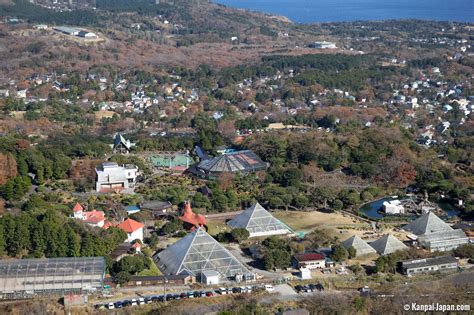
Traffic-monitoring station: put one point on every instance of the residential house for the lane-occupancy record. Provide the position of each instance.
(134, 229)
(93, 218)
(309, 260)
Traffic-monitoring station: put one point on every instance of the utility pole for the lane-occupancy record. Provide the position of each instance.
(165, 281)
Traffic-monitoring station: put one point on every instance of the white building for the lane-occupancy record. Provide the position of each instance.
(134, 229)
(393, 207)
(210, 277)
(85, 34)
(93, 218)
(305, 273)
(323, 45)
(112, 177)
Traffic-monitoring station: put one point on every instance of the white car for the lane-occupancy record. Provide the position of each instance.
(141, 301)
(269, 288)
(222, 291)
(134, 302)
(110, 306)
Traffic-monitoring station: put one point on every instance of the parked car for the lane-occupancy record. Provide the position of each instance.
(269, 288)
(222, 291)
(190, 295)
(320, 287)
(141, 301)
(134, 302)
(148, 300)
(299, 288)
(183, 295)
(126, 303)
(110, 306)
(118, 304)
(236, 290)
(209, 293)
(169, 297)
(249, 289)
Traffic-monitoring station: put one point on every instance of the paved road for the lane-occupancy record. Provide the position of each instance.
(237, 252)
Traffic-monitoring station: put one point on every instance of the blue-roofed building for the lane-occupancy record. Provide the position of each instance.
(132, 209)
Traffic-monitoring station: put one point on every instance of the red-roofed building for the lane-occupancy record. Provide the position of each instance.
(133, 229)
(309, 260)
(109, 223)
(137, 246)
(191, 219)
(77, 208)
(94, 218)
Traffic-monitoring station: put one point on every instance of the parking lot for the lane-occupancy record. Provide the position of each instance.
(149, 299)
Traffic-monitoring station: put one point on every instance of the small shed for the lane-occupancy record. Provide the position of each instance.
(305, 273)
(210, 277)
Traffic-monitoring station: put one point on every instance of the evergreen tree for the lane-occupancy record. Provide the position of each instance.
(38, 243)
(9, 190)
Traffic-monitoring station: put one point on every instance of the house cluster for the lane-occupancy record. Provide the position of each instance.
(442, 100)
(95, 218)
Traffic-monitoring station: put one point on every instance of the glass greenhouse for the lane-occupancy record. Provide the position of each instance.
(58, 276)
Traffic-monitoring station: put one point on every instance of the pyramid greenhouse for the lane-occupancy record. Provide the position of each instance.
(198, 252)
(435, 234)
(427, 223)
(387, 244)
(362, 248)
(259, 222)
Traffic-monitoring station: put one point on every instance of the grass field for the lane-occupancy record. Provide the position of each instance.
(153, 271)
(217, 226)
(306, 221)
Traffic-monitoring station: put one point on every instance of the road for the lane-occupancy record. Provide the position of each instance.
(237, 252)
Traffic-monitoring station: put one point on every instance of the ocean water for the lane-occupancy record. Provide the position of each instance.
(314, 11)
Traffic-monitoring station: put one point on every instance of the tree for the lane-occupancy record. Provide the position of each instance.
(8, 190)
(337, 204)
(201, 201)
(465, 251)
(359, 303)
(352, 252)
(122, 277)
(355, 268)
(240, 234)
(172, 226)
(339, 253)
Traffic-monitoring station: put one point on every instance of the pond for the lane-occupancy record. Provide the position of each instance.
(370, 209)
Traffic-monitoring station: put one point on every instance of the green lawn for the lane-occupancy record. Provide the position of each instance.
(153, 271)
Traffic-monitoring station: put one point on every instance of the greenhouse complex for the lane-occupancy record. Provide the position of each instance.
(55, 276)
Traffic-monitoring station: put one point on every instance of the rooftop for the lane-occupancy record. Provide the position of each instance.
(240, 161)
(309, 257)
(130, 225)
(417, 263)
